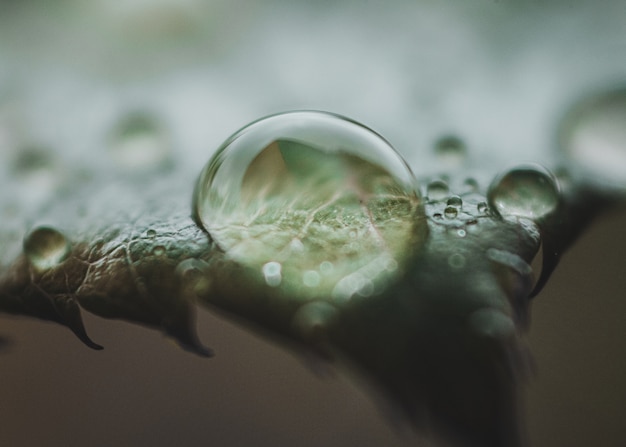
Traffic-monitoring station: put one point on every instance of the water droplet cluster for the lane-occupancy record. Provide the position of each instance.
(46, 247)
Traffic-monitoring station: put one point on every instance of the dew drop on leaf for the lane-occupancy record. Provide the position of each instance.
(46, 247)
(529, 191)
(593, 137)
(455, 201)
(308, 199)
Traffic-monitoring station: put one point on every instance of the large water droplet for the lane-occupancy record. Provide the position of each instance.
(140, 143)
(528, 191)
(46, 247)
(593, 136)
(296, 191)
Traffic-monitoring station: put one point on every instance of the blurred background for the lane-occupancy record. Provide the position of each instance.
(77, 78)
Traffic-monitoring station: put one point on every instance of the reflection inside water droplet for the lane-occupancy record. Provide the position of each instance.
(308, 198)
(46, 247)
(593, 136)
(527, 191)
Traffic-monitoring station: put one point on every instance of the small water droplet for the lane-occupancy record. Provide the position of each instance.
(470, 185)
(450, 212)
(482, 207)
(527, 191)
(461, 233)
(139, 143)
(151, 234)
(315, 178)
(159, 250)
(437, 190)
(437, 216)
(456, 261)
(311, 320)
(326, 267)
(455, 201)
(46, 247)
(311, 278)
(450, 149)
(272, 273)
(593, 136)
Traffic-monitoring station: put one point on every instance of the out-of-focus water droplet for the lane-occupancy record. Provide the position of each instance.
(461, 232)
(450, 150)
(272, 273)
(311, 278)
(527, 191)
(326, 267)
(456, 261)
(307, 198)
(455, 201)
(450, 212)
(312, 319)
(470, 185)
(46, 247)
(593, 136)
(159, 250)
(38, 172)
(482, 207)
(437, 190)
(140, 143)
(151, 234)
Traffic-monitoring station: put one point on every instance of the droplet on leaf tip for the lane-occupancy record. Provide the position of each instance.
(46, 247)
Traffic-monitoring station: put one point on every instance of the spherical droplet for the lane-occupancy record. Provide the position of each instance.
(437, 190)
(450, 149)
(593, 137)
(450, 212)
(159, 250)
(528, 191)
(455, 201)
(46, 247)
(482, 207)
(311, 191)
(139, 143)
(456, 260)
